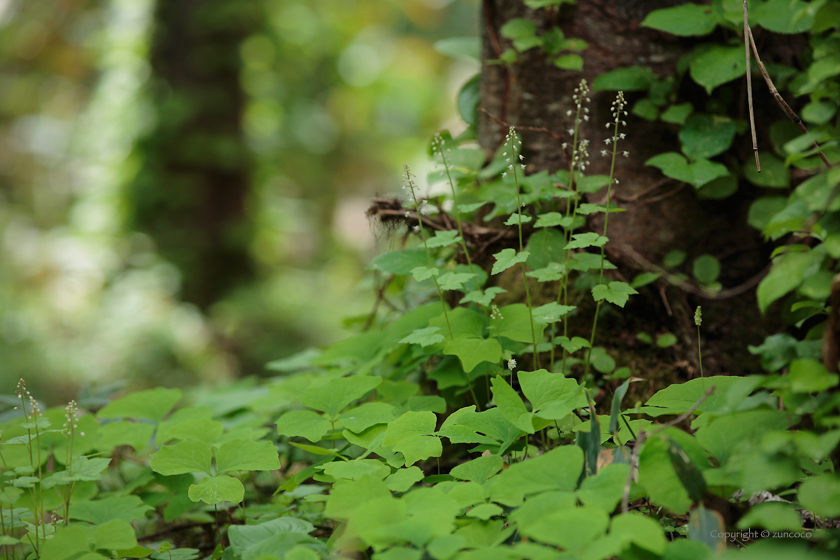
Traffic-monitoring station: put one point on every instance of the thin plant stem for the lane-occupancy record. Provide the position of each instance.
(409, 178)
(698, 320)
(577, 162)
(512, 142)
(618, 114)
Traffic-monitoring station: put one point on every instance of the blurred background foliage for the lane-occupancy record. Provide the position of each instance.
(183, 184)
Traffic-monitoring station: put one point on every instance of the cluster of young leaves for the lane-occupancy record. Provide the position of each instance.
(523, 36)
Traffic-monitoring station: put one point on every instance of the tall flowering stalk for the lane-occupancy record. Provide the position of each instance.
(431, 271)
(618, 113)
(514, 160)
(577, 165)
(440, 150)
(32, 422)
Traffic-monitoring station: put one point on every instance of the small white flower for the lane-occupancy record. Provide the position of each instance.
(608, 140)
(511, 364)
(407, 214)
(626, 154)
(571, 132)
(563, 145)
(569, 113)
(510, 166)
(523, 166)
(504, 174)
(622, 136)
(521, 157)
(603, 152)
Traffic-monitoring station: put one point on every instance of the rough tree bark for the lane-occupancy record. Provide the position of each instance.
(662, 214)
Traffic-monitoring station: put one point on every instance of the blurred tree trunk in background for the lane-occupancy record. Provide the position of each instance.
(662, 216)
(191, 192)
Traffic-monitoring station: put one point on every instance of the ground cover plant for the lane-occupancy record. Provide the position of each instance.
(467, 418)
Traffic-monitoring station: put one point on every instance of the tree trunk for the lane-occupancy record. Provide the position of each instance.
(663, 214)
(190, 195)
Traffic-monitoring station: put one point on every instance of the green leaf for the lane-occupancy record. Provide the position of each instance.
(589, 261)
(399, 262)
(658, 477)
(604, 490)
(551, 273)
(511, 405)
(424, 273)
(150, 405)
(589, 239)
(571, 529)
(677, 114)
(478, 470)
(455, 280)
(354, 470)
(616, 293)
(188, 456)
(665, 340)
(82, 469)
(419, 448)
(424, 337)
(632, 78)
(443, 238)
(545, 247)
(763, 209)
(551, 313)
(460, 47)
(549, 219)
(774, 173)
(303, 423)
(673, 259)
(515, 324)
(123, 432)
(739, 432)
(464, 322)
(366, 415)
(408, 425)
(569, 62)
(514, 218)
(645, 109)
(552, 395)
(200, 429)
(821, 495)
(698, 173)
(810, 376)
(473, 351)
(558, 469)
(706, 269)
(217, 489)
(485, 511)
(68, 542)
(718, 65)
(704, 525)
(685, 21)
(127, 508)
(783, 16)
(573, 345)
(114, 535)
(506, 258)
(521, 32)
(615, 409)
(644, 278)
(404, 479)
(639, 529)
(242, 537)
(244, 455)
(483, 298)
(788, 271)
(336, 394)
(774, 516)
(720, 188)
(705, 136)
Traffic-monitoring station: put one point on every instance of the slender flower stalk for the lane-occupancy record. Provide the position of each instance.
(618, 112)
(577, 165)
(30, 422)
(441, 150)
(515, 147)
(698, 320)
(71, 424)
(411, 187)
